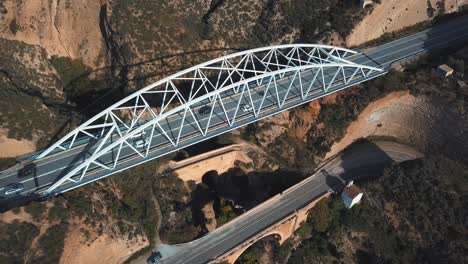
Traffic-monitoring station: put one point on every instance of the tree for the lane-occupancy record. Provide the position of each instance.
(430, 10)
(440, 7)
(320, 217)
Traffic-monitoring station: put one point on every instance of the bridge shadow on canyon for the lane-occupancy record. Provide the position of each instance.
(240, 191)
(237, 191)
(362, 161)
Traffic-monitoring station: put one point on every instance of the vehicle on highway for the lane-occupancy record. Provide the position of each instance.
(141, 134)
(204, 110)
(141, 143)
(13, 188)
(154, 258)
(246, 108)
(28, 170)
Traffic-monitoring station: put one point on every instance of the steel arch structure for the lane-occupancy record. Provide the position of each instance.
(224, 93)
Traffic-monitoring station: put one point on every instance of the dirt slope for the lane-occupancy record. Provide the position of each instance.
(392, 15)
(103, 249)
(415, 120)
(12, 147)
(63, 28)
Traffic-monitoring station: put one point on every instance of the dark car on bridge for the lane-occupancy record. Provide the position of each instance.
(204, 110)
(154, 258)
(28, 170)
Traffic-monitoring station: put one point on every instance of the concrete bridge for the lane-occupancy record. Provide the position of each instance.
(283, 230)
(219, 160)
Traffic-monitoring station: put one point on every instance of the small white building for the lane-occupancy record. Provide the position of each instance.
(444, 71)
(351, 195)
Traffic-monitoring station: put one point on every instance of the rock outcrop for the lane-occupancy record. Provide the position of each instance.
(63, 28)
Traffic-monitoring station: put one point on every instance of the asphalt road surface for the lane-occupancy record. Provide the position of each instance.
(360, 161)
(51, 168)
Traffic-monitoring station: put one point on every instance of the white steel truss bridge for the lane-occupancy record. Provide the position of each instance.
(201, 102)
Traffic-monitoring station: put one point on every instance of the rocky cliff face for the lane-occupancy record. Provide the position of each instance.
(31, 96)
(123, 45)
(148, 40)
(63, 28)
(31, 32)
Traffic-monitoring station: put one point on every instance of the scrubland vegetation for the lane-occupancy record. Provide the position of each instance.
(413, 214)
(17, 244)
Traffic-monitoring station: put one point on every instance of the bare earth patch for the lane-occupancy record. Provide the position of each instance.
(392, 15)
(9, 217)
(63, 28)
(209, 213)
(419, 121)
(12, 148)
(103, 249)
(368, 121)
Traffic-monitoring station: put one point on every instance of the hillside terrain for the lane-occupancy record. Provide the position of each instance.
(394, 224)
(63, 61)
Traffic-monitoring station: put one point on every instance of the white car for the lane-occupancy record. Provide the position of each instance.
(246, 108)
(13, 188)
(142, 133)
(141, 143)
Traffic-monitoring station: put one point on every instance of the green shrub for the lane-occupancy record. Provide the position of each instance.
(248, 133)
(58, 212)
(79, 202)
(225, 139)
(320, 216)
(16, 239)
(6, 163)
(51, 244)
(311, 17)
(74, 76)
(305, 230)
(138, 254)
(224, 213)
(14, 27)
(36, 210)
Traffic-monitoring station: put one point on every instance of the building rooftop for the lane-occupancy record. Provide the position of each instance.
(352, 191)
(444, 70)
